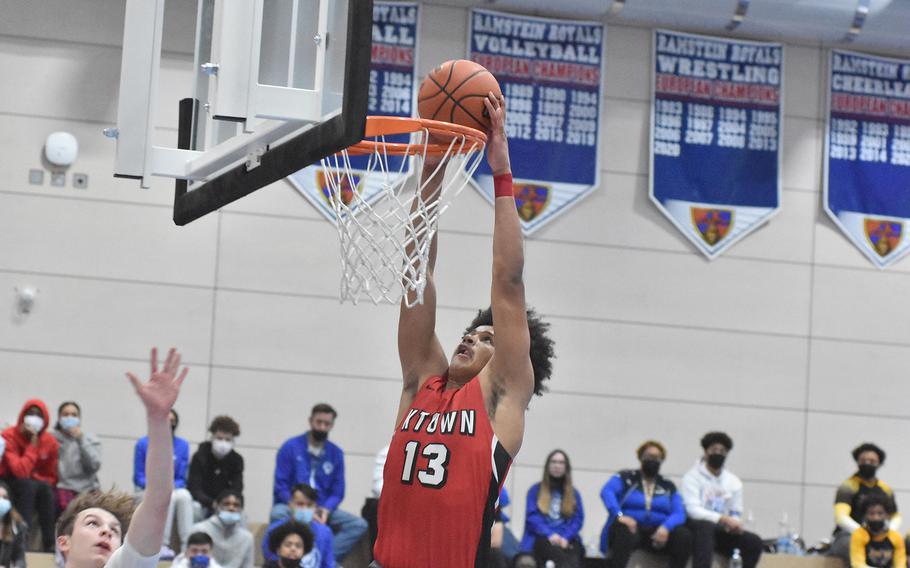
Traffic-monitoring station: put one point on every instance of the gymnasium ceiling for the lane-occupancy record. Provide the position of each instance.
(886, 27)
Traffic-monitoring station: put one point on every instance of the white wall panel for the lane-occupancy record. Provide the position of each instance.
(627, 64)
(801, 153)
(802, 90)
(841, 374)
(655, 362)
(136, 242)
(91, 317)
(667, 288)
(853, 304)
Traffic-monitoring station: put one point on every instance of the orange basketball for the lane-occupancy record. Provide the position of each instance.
(454, 92)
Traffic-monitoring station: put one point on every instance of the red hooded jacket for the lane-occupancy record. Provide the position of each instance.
(24, 460)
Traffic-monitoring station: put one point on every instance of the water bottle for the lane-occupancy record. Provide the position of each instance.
(736, 560)
(551, 564)
(784, 545)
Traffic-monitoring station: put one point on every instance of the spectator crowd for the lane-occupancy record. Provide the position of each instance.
(43, 467)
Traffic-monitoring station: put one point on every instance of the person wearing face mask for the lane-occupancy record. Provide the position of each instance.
(181, 506)
(312, 459)
(862, 484)
(198, 553)
(289, 543)
(233, 541)
(714, 504)
(13, 532)
(875, 544)
(79, 456)
(645, 511)
(215, 467)
(554, 515)
(30, 462)
(303, 509)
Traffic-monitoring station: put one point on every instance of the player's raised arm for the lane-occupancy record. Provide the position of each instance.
(158, 395)
(419, 349)
(512, 376)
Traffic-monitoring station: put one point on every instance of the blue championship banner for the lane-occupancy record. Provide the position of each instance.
(392, 71)
(551, 74)
(715, 136)
(867, 153)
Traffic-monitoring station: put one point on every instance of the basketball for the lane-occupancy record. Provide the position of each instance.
(454, 92)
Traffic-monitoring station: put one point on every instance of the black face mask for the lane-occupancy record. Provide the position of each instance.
(716, 461)
(319, 436)
(867, 470)
(875, 526)
(288, 562)
(650, 467)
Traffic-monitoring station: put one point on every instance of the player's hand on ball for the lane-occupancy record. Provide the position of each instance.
(497, 143)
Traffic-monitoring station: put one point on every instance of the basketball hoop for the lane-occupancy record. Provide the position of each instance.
(385, 239)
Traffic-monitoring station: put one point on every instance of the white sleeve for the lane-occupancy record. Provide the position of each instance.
(378, 471)
(736, 505)
(127, 557)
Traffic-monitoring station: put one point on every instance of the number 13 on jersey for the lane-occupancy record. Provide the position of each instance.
(434, 475)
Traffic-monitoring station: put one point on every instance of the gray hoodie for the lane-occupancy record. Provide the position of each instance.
(80, 460)
(233, 544)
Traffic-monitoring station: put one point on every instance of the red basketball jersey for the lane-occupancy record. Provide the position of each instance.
(441, 482)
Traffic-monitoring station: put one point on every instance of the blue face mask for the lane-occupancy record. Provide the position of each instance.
(199, 561)
(303, 515)
(229, 518)
(69, 422)
(5, 506)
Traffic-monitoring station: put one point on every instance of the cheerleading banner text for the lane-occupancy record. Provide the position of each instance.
(867, 153)
(715, 136)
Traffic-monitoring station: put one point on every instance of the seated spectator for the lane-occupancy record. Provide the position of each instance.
(644, 510)
(30, 462)
(79, 456)
(554, 516)
(862, 484)
(198, 553)
(233, 546)
(311, 458)
(303, 509)
(181, 505)
(874, 544)
(289, 542)
(714, 504)
(13, 532)
(215, 467)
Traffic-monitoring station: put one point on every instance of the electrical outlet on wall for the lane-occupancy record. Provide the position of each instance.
(80, 181)
(58, 179)
(36, 176)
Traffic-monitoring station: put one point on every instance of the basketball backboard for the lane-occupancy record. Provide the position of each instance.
(277, 85)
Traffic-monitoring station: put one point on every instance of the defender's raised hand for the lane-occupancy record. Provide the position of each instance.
(160, 392)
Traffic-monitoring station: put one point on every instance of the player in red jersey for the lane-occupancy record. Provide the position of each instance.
(461, 421)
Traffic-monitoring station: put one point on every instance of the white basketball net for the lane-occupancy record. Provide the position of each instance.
(385, 239)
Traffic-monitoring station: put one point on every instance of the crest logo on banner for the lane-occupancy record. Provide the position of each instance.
(867, 153)
(551, 73)
(392, 70)
(712, 224)
(715, 136)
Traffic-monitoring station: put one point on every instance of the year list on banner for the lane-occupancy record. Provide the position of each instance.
(867, 153)
(551, 75)
(715, 136)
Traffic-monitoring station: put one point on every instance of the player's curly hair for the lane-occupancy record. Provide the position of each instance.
(281, 532)
(541, 351)
(875, 499)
